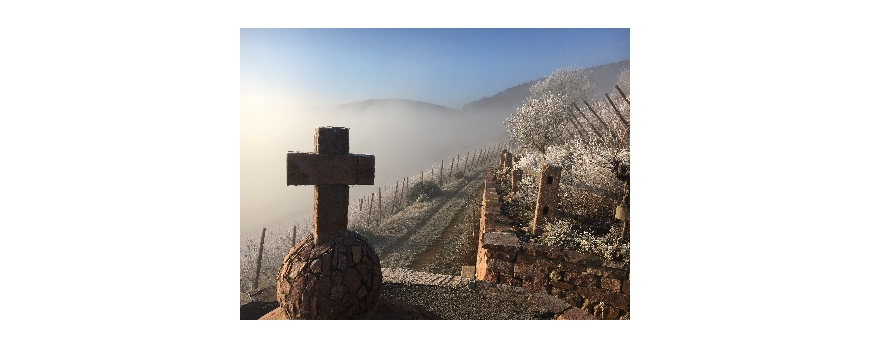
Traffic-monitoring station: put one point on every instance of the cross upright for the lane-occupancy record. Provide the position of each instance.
(331, 168)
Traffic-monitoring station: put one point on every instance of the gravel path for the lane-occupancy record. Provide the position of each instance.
(407, 294)
(457, 245)
(399, 246)
(457, 298)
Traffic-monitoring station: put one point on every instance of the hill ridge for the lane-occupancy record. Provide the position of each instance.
(396, 101)
(605, 76)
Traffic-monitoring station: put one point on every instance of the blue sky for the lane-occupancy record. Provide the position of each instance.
(450, 67)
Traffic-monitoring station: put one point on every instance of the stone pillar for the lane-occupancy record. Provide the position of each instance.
(621, 213)
(501, 158)
(516, 178)
(548, 197)
(508, 161)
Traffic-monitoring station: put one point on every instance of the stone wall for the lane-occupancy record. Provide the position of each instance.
(583, 280)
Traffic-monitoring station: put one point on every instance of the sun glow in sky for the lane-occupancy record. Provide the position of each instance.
(449, 67)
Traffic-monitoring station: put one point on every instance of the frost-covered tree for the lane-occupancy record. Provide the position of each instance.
(572, 85)
(561, 124)
(542, 120)
(539, 123)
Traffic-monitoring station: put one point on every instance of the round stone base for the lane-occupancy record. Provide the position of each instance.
(340, 279)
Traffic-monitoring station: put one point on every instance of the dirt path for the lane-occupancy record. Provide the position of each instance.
(403, 240)
(435, 257)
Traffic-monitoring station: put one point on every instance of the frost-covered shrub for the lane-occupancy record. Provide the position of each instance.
(423, 191)
(522, 202)
(561, 233)
(557, 233)
(588, 189)
(364, 230)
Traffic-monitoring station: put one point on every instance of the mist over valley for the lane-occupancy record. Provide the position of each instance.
(405, 136)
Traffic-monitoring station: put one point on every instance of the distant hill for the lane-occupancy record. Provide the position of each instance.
(502, 104)
(396, 104)
(606, 76)
(507, 101)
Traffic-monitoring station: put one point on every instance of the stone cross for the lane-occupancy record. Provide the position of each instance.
(548, 197)
(330, 169)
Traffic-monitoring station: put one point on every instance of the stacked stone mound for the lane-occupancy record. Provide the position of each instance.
(339, 279)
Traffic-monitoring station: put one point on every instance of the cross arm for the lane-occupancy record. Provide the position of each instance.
(330, 169)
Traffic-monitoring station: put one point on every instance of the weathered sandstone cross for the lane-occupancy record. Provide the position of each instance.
(333, 273)
(330, 169)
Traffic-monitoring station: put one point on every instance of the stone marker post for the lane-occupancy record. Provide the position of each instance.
(333, 273)
(516, 178)
(548, 197)
(622, 212)
(502, 158)
(508, 161)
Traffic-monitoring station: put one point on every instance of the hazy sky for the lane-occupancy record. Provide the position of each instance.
(450, 67)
